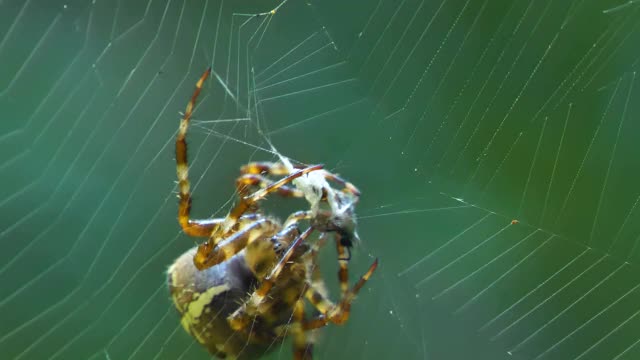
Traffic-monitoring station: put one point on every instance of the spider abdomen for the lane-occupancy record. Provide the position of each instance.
(206, 298)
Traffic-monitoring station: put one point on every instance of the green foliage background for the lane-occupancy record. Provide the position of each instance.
(454, 117)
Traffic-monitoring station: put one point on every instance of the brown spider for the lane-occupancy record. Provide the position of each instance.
(242, 290)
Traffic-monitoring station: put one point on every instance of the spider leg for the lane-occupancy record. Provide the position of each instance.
(265, 167)
(247, 182)
(303, 339)
(347, 186)
(204, 257)
(191, 227)
(239, 319)
(302, 342)
(314, 277)
(312, 270)
(343, 252)
(279, 169)
(270, 280)
(248, 202)
(209, 256)
(337, 314)
(343, 262)
(262, 193)
(296, 217)
(201, 227)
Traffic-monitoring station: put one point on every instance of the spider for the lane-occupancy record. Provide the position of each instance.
(243, 289)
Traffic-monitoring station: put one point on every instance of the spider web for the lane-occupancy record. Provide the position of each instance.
(493, 142)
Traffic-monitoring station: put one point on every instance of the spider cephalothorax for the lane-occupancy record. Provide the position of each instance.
(243, 289)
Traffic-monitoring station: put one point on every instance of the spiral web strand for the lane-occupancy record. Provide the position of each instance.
(494, 142)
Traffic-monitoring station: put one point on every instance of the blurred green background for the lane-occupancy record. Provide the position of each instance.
(493, 141)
